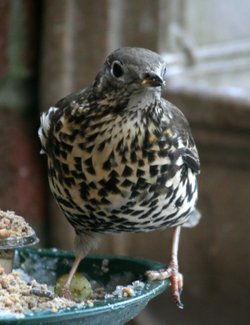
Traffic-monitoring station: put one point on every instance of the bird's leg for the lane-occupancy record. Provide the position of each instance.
(65, 291)
(176, 278)
(83, 243)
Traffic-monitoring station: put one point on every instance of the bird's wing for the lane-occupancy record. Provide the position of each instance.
(182, 138)
(183, 142)
(45, 125)
(66, 107)
(191, 157)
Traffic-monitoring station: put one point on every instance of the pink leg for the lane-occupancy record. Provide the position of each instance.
(172, 272)
(65, 291)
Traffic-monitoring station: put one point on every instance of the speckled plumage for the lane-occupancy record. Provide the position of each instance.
(120, 157)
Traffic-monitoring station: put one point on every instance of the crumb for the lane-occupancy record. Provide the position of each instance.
(89, 303)
(104, 266)
(99, 293)
(4, 233)
(1, 270)
(126, 291)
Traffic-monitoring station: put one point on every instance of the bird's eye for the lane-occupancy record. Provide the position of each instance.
(116, 69)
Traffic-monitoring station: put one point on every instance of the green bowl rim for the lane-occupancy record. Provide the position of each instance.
(76, 312)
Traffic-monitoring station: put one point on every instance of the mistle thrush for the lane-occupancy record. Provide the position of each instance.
(121, 158)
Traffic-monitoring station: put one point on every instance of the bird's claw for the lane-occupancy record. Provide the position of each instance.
(161, 274)
(176, 280)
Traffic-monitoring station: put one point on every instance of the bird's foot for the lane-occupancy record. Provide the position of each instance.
(65, 293)
(176, 280)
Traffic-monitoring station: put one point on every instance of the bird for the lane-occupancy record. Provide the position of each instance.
(121, 158)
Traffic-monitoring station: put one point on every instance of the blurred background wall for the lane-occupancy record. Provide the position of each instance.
(51, 48)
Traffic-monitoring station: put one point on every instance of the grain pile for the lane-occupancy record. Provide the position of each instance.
(17, 296)
(12, 225)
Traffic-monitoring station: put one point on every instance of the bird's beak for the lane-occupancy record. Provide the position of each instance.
(151, 80)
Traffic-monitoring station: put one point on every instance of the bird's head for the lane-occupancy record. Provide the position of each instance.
(131, 69)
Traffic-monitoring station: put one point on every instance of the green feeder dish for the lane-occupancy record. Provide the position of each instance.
(47, 265)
